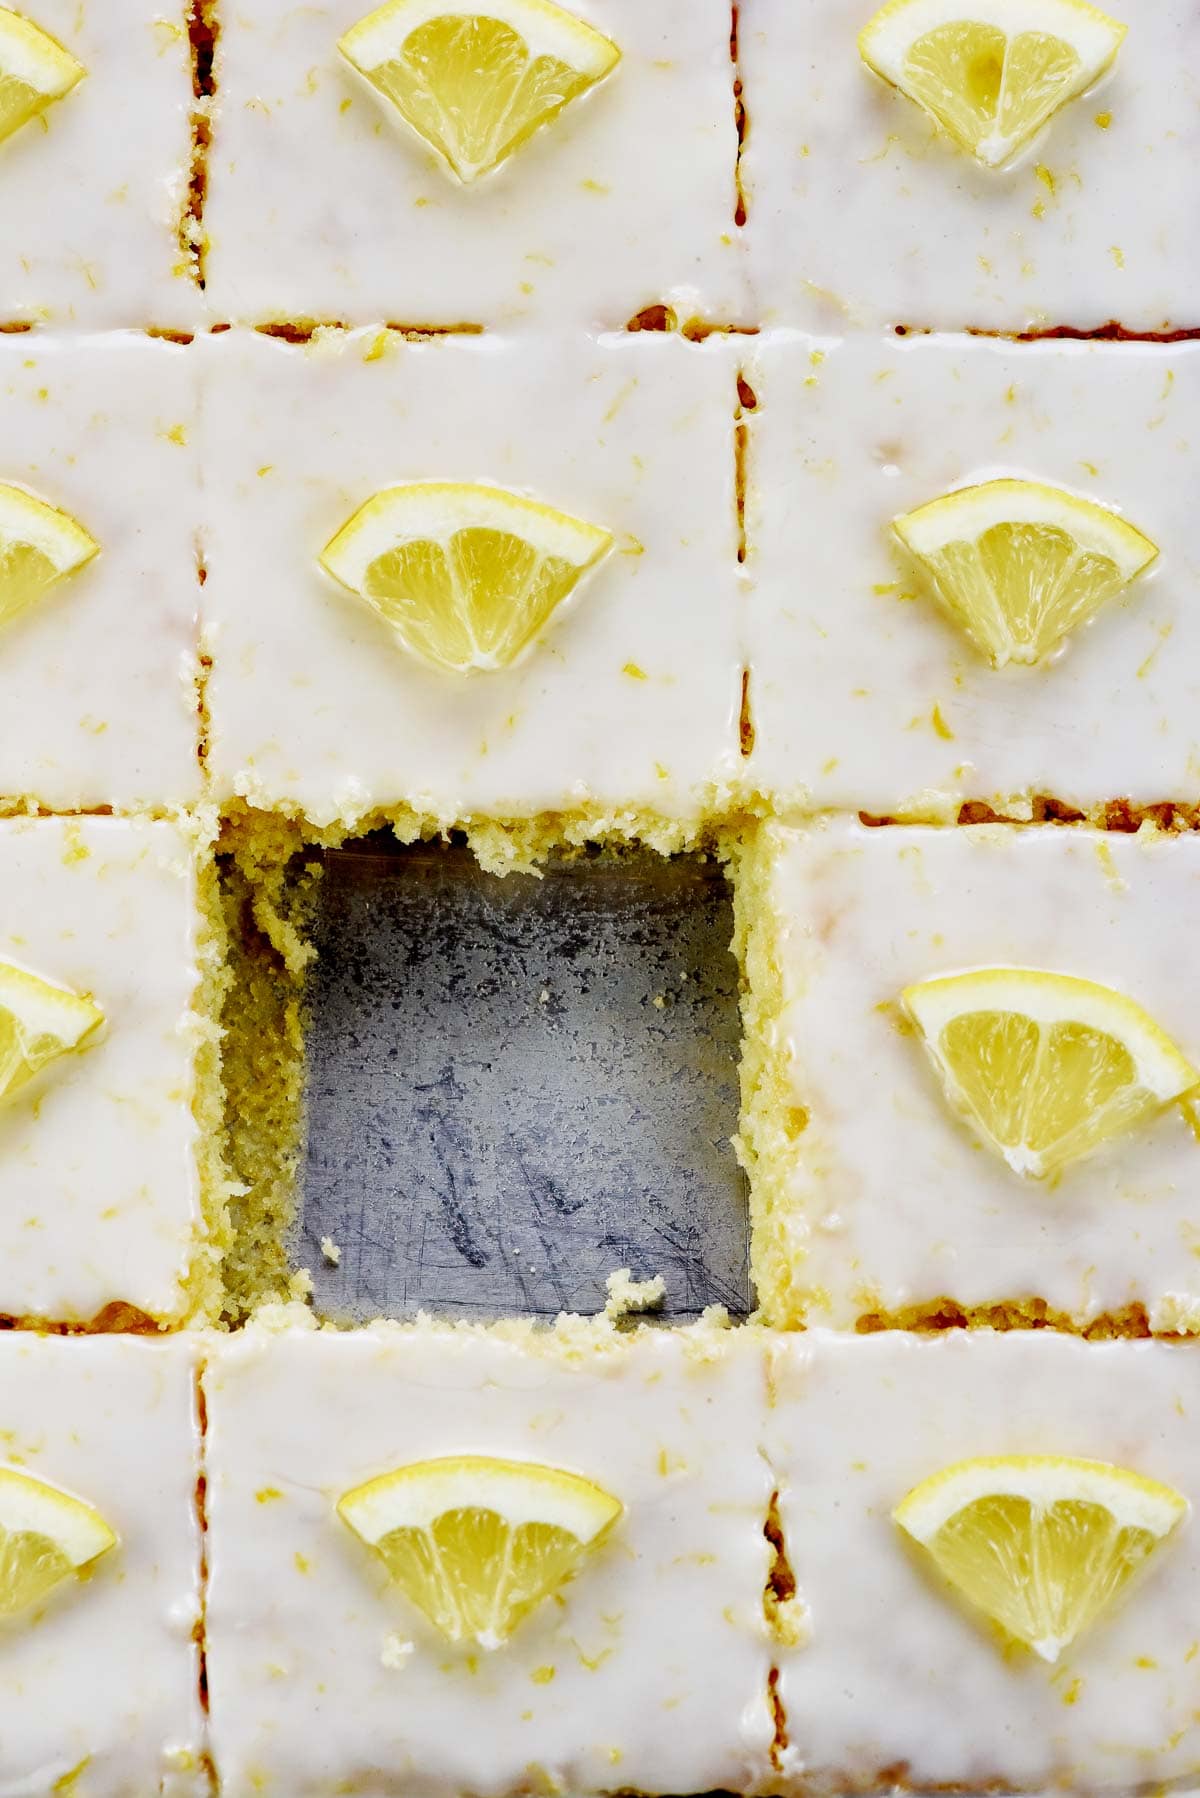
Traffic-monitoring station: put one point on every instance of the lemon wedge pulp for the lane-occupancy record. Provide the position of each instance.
(466, 576)
(38, 1024)
(990, 72)
(475, 85)
(45, 1536)
(1019, 566)
(1041, 1544)
(34, 71)
(38, 546)
(477, 1543)
(1045, 1066)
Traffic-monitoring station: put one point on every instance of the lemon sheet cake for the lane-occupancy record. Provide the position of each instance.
(877, 1187)
(324, 204)
(864, 211)
(625, 709)
(942, 1697)
(868, 692)
(647, 1672)
(98, 634)
(100, 1669)
(94, 189)
(415, 417)
(101, 1193)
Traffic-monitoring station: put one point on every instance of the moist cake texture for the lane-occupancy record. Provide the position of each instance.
(733, 305)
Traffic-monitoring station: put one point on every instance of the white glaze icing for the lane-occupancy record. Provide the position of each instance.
(323, 1680)
(864, 693)
(861, 214)
(98, 1182)
(896, 1674)
(314, 704)
(321, 206)
(97, 678)
(894, 1201)
(90, 200)
(103, 1681)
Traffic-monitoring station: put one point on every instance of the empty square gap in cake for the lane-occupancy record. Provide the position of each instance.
(516, 1085)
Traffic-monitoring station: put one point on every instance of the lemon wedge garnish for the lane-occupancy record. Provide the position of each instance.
(476, 85)
(38, 546)
(38, 1023)
(477, 1543)
(45, 1536)
(1041, 1544)
(465, 576)
(1019, 566)
(34, 71)
(1045, 1066)
(991, 72)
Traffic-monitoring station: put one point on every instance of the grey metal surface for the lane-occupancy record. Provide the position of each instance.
(516, 1085)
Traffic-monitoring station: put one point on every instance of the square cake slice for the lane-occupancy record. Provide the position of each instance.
(100, 1674)
(877, 1190)
(868, 690)
(647, 1671)
(863, 213)
(897, 1679)
(625, 708)
(98, 667)
(95, 226)
(99, 1184)
(324, 204)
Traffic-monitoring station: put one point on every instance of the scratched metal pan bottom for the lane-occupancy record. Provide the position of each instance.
(516, 1085)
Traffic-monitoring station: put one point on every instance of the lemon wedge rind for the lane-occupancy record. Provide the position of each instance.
(435, 510)
(1052, 998)
(1041, 1480)
(31, 1506)
(966, 512)
(53, 533)
(522, 1492)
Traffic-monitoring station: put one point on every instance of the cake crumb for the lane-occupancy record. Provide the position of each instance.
(395, 1652)
(330, 1250)
(791, 1623)
(627, 1295)
(1175, 1314)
